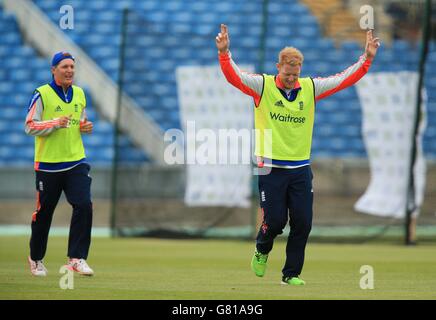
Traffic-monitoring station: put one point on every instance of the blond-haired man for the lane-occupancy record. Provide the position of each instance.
(285, 105)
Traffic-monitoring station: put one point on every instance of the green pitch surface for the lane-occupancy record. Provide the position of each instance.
(219, 270)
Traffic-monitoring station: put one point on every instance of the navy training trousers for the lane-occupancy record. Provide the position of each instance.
(286, 194)
(76, 184)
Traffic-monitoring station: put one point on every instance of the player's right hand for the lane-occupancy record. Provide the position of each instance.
(222, 40)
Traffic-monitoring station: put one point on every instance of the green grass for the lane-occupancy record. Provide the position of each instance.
(212, 269)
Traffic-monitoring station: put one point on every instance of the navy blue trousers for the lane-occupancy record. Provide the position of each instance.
(286, 194)
(76, 184)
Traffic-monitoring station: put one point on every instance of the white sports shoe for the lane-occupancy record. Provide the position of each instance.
(37, 268)
(80, 266)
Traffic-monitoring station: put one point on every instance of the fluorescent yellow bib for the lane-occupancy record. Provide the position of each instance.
(291, 123)
(64, 144)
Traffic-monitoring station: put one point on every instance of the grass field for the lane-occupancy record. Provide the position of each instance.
(218, 270)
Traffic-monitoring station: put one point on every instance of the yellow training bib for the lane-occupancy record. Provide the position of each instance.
(64, 144)
(283, 128)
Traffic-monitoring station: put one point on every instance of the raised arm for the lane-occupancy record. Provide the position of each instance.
(325, 87)
(248, 83)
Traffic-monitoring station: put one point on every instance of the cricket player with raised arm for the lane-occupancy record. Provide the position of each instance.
(285, 104)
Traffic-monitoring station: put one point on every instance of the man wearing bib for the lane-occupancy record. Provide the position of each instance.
(285, 107)
(56, 117)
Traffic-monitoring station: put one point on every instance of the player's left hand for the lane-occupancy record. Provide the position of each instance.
(86, 126)
(372, 44)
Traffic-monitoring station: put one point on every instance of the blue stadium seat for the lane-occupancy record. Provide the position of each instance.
(171, 6)
(147, 5)
(385, 56)
(321, 68)
(301, 43)
(351, 46)
(401, 46)
(21, 75)
(100, 155)
(3, 75)
(103, 127)
(339, 57)
(309, 31)
(351, 131)
(431, 81)
(131, 155)
(324, 45)
(98, 140)
(47, 5)
(11, 39)
(250, 42)
(98, 5)
(307, 19)
(15, 139)
(431, 58)
(326, 130)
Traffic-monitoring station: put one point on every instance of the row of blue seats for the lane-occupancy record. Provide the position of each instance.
(152, 47)
(148, 62)
(155, 49)
(293, 8)
(165, 69)
(147, 40)
(158, 6)
(101, 38)
(22, 90)
(7, 51)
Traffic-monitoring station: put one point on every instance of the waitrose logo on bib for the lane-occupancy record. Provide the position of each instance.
(286, 118)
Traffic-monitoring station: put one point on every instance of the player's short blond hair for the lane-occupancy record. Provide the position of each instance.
(291, 56)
